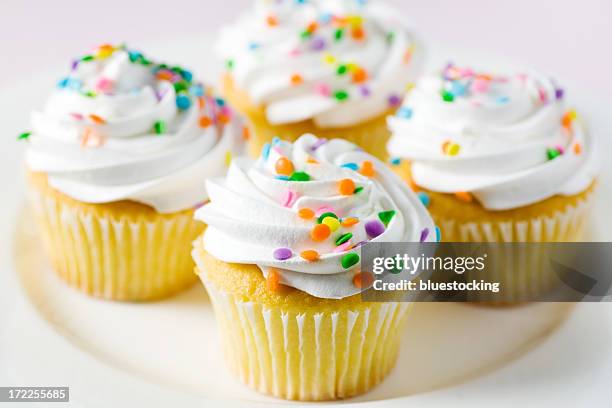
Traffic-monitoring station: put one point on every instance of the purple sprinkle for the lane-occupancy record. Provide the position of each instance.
(318, 44)
(559, 92)
(365, 91)
(320, 142)
(74, 65)
(282, 253)
(360, 243)
(374, 228)
(394, 100)
(424, 234)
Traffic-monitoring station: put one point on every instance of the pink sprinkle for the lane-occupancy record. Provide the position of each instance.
(294, 52)
(542, 94)
(343, 247)
(480, 85)
(560, 149)
(104, 85)
(324, 209)
(278, 150)
(76, 116)
(289, 198)
(323, 89)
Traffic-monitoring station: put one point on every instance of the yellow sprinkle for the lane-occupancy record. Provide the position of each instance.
(228, 158)
(410, 87)
(332, 223)
(329, 59)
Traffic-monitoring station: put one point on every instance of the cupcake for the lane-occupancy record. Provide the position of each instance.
(116, 162)
(497, 158)
(280, 259)
(335, 68)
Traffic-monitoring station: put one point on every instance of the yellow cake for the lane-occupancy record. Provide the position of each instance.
(343, 76)
(282, 267)
(116, 162)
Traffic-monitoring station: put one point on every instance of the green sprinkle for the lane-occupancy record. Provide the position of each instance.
(552, 153)
(341, 95)
(180, 86)
(390, 36)
(160, 127)
(357, 189)
(90, 94)
(326, 214)
(343, 238)
(305, 34)
(339, 34)
(300, 176)
(386, 216)
(447, 96)
(349, 260)
(342, 69)
(24, 136)
(88, 58)
(229, 64)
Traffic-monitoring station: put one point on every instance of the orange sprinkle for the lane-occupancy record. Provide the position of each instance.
(357, 33)
(360, 75)
(284, 166)
(272, 21)
(312, 27)
(363, 279)
(367, 169)
(305, 213)
(97, 119)
(223, 119)
(566, 121)
(464, 196)
(310, 255)
(246, 133)
(349, 222)
(201, 102)
(408, 56)
(296, 79)
(311, 160)
(273, 280)
(205, 121)
(346, 187)
(577, 148)
(164, 76)
(320, 232)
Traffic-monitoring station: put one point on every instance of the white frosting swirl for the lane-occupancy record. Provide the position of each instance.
(122, 128)
(253, 212)
(507, 140)
(338, 62)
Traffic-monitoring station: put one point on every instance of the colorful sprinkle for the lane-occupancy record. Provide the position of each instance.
(394, 100)
(159, 127)
(349, 260)
(424, 234)
(386, 216)
(24, 136)
(324, 215)
(464, 196)
(343, 238)
(305, 213)
(358, 190)
(284, 166)
(577, 148)
(183, 102)
(331, 222)
(552, 153)
(265, 151)
(363, 280)
(424, 197)
(289, 198)
(349, 222)
(282, 254)
(438, 234)
(296, 79)
(404, 112)
(374, 228)
(205, 122)
(395, 161)
(447, 96)
(346, 187)
(352, 166)
(320, 232)
(341, 95)
(367, 169)
(450, 148)
(300, 176)
(96, 119)
(347, 246)
(310, 255)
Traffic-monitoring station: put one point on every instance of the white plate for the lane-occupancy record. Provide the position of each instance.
(114, 354)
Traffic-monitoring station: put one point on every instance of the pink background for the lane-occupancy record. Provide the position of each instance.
(566, 39)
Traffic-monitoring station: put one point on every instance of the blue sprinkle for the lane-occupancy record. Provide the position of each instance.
(275, 140)
(352, 166)
(285, 178)
(183, 102)
(503, 100)
(187, 76)
(405, 112)
(458, 89)
(424, 197)
(253, 46)
(220, 101)
(63, 83)
(396, 161)
(325, 18)
(438, 234)
(265, 151)
(196, 90)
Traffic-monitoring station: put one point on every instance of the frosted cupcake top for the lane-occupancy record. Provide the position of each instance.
(338, 62)
(122, 127)
(301, 211)
(508, 141)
